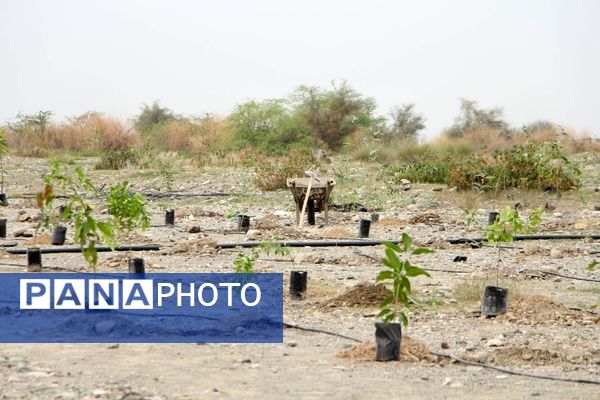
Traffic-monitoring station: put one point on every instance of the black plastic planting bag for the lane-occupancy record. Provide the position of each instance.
(495, 301)
(59, 235)
(298, 281)
(387, 339)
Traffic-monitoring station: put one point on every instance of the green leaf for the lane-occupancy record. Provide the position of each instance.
(407, 241)
(393, 259)
(384, 275)
(422, 250)
(592, 265)
(392, 246)
(413, 270)
(385, 302)
(402, 318)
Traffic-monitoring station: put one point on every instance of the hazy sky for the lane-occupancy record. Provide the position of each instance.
(536, 59)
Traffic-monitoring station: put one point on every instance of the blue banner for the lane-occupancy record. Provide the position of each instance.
(147, 308)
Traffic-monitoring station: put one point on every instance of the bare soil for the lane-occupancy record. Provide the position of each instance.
(551, 328)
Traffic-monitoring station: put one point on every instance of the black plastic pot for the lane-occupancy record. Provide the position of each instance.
(170, 217)
(374, 217)
(495, 301)
(34, 259)
(310, 210)
(137, 266)
(298, 280)
(388, 336)
(492, 217)
(59, 235)
(363, 228)
(243, 223)
(3, 227)
(3, 199)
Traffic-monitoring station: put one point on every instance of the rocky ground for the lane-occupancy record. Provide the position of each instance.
(552, 327)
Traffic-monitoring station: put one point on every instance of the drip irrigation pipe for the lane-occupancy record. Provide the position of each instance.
(53, 250)
(317, 330)
(460, 360)
(8, 244)
(576, 278)
(309, 243)
(513, 372)
(358, 252)
(525, 237)
(377, 242)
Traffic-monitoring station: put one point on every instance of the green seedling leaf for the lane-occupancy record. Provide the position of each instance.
(422, 250)
(592, 265)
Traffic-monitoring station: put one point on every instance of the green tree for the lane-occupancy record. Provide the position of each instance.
(405, 123)
(472, 117)
(334, 114)
(152, 115)
(268, 125)
(37, 122)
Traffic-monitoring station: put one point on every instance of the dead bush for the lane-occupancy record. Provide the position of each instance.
(272, 173)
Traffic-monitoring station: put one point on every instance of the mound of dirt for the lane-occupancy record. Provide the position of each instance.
(410, 350)
(44, 238)
(336, 233)
(427, 219)
(134, 238)
(540, 310)
(186, 211)
(391, 222)
(363, 294)
(268, 222)
(203, 245)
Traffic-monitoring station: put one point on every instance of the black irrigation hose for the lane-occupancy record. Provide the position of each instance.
(426, 269)
(8, 244)
(310, 243)
(513, 372)
(304, 328)
(576, 278)
(460, 360)
(526, 237)
(53, 250)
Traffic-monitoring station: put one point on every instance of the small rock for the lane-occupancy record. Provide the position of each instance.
(356, 218)
(29, 232)
(556, 253)
(438, 189)
(597, 208)
(246, 361)
(580, 226)
(291, 344)
(193, 228)
(527, 356)
(447, 381)
(281, 213)
(253, 234)
(99, 392)
(557, 215)
(19, 232)
(531, 248)
(405, 184)
(22, 217)
(496, 342)
(445, 345)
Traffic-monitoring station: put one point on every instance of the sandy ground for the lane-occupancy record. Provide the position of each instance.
(556, 334)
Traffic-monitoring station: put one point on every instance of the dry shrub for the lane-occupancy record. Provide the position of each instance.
(206, 134)
(92, 131)
(272, 173)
